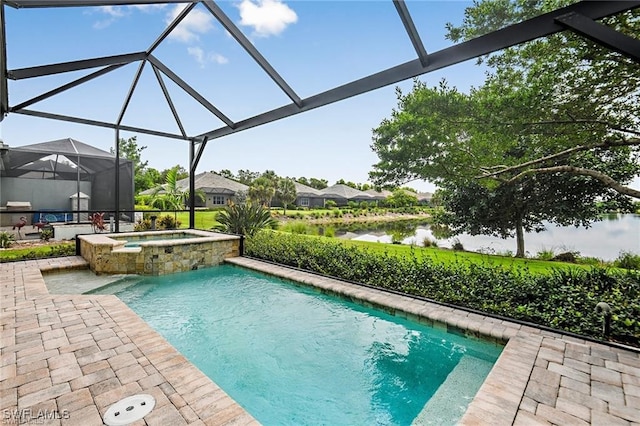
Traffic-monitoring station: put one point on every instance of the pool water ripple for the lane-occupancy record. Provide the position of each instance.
(290, 355)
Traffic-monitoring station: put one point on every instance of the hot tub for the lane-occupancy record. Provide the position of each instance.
(156, 252)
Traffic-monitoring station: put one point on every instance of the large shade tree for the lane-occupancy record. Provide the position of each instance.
(556, 124)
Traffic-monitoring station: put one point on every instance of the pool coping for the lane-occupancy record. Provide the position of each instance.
(77, 354)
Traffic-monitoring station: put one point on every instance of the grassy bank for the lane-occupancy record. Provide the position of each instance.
(446, 256)
(205, 219)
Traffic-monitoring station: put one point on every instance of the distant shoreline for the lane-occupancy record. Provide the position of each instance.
(347, 218)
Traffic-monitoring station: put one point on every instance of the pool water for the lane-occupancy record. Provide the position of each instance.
(85, 281)
(134, 241)
(293, 356)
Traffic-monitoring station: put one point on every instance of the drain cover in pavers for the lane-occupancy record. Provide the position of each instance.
(129, 410)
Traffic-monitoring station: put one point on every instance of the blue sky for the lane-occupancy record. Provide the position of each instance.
(314, 45)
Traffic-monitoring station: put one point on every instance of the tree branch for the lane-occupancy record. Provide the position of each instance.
(627, 142)
(602, 177)
(581, 121)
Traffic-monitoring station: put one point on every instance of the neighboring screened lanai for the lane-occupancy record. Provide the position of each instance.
(47, 174)
(579, 17)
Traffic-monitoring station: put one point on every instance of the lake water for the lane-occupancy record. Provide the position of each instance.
(605, 239)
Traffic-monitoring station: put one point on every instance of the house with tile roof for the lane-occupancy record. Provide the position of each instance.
(218, 190)
(341, 194)
(307, 196)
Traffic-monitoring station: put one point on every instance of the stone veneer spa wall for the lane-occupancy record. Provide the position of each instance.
(156, 252)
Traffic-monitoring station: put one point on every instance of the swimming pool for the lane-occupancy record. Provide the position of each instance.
(133, 240)
(290, 355)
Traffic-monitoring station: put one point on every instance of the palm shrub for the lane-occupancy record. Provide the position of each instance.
(168, 222)
(286, 192)
(171, 196)
(244, 218)
(142, 225)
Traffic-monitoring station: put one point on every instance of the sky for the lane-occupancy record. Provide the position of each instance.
(314, 46)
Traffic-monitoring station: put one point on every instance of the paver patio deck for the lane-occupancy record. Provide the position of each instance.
(75, 355)
(66, 358)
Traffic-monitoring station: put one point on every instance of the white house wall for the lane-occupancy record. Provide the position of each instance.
(42, 194)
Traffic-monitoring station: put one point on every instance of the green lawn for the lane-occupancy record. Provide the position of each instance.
(450, 256)
(54, 250)
(205, 219)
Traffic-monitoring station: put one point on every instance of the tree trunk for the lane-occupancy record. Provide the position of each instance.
(519, 237)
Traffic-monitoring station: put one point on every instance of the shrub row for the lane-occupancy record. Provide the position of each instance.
(565, 299)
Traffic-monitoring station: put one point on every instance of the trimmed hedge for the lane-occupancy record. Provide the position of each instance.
(565, 299)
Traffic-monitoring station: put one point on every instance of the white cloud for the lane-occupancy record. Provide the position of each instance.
(114, 11)
(100, 25)
(267, 17)
(195, 23)
(218, 59)
(198, 54)
(203, 58)
(148, 7)
(117, 12)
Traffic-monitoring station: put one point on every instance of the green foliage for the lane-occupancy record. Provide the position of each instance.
(142, 225)
(171, 195)
(330, 204)
(57, 250)
(401, 198)
(247, 176)
(505, 209)
(46, 234)
(168, 222)
(262, 191)
(285, 192)
(564, 299)
(457, 245)
(428, 242)
(298, 227)
(313, 182)
(142, 200)
(6, 239)
(628, 260)
(549, 133)
(245, 219)
(545, 255)
(168, 196)
(130, 150)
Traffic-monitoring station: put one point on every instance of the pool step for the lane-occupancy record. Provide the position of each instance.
(450, 401)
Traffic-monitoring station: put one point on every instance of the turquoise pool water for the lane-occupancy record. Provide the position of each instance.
(135, 240)
(293, 356)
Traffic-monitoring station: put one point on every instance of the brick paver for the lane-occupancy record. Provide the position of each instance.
(72, 356)
(78, 354)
